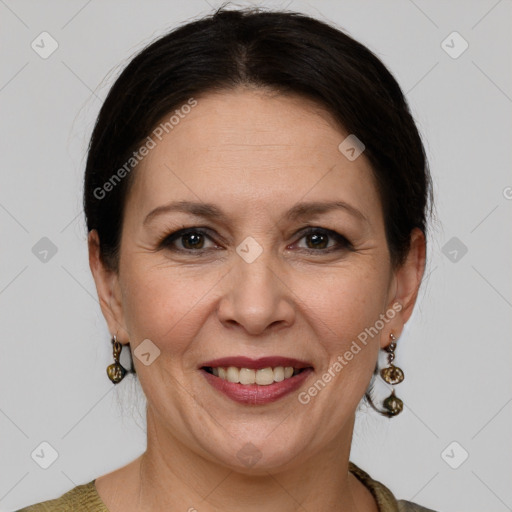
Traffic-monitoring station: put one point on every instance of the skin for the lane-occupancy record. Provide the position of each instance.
(255, 155)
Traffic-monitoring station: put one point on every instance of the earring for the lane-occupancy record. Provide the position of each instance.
(392, 375)
(116, 371)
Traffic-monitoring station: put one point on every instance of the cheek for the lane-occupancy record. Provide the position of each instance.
(346, 314)
(170, 305)
(347, 300)
(163, 304)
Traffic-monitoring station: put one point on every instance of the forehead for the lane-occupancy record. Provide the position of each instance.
(247, 147)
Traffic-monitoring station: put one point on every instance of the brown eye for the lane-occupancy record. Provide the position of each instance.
(192, 240)
(317, 240)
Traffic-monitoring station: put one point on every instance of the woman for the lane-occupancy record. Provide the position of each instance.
(256, 195)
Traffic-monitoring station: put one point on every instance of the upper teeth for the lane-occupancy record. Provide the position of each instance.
(263, 377)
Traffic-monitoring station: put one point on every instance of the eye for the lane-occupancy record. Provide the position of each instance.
(194, 240)
(189, 240)
(317, 240)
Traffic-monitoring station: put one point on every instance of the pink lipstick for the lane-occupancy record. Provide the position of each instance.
(256, 381)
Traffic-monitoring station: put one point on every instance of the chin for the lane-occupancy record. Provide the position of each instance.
(259, 457)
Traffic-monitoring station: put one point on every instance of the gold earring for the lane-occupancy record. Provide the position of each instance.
(392, 375)
(116, 371)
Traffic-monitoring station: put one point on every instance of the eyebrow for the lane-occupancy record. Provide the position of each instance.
(213, 212)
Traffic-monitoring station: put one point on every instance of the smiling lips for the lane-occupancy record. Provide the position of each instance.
(256, 381)
(246, 376)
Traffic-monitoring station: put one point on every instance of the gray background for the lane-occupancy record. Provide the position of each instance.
(456, 350)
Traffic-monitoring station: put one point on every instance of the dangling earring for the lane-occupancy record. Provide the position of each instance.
(116, 371)
(392, 375)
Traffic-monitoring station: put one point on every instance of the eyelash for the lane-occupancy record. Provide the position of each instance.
(342, 242)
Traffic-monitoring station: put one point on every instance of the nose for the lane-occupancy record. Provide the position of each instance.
(257, 296)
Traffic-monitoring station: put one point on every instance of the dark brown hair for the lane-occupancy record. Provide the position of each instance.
(282, 51)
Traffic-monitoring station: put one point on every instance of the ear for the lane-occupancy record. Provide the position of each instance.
(108, 289)
(405, 284)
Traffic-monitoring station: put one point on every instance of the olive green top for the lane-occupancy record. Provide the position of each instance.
(84, 498)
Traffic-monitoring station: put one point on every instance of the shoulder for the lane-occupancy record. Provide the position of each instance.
(80, 498)
(385, 499)
(409, 506)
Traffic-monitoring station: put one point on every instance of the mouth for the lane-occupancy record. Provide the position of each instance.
(258, 381)
(249, 376)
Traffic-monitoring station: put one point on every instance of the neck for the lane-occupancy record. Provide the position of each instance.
(175, 478)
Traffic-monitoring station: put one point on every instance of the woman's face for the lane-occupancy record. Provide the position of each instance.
(267, 267)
